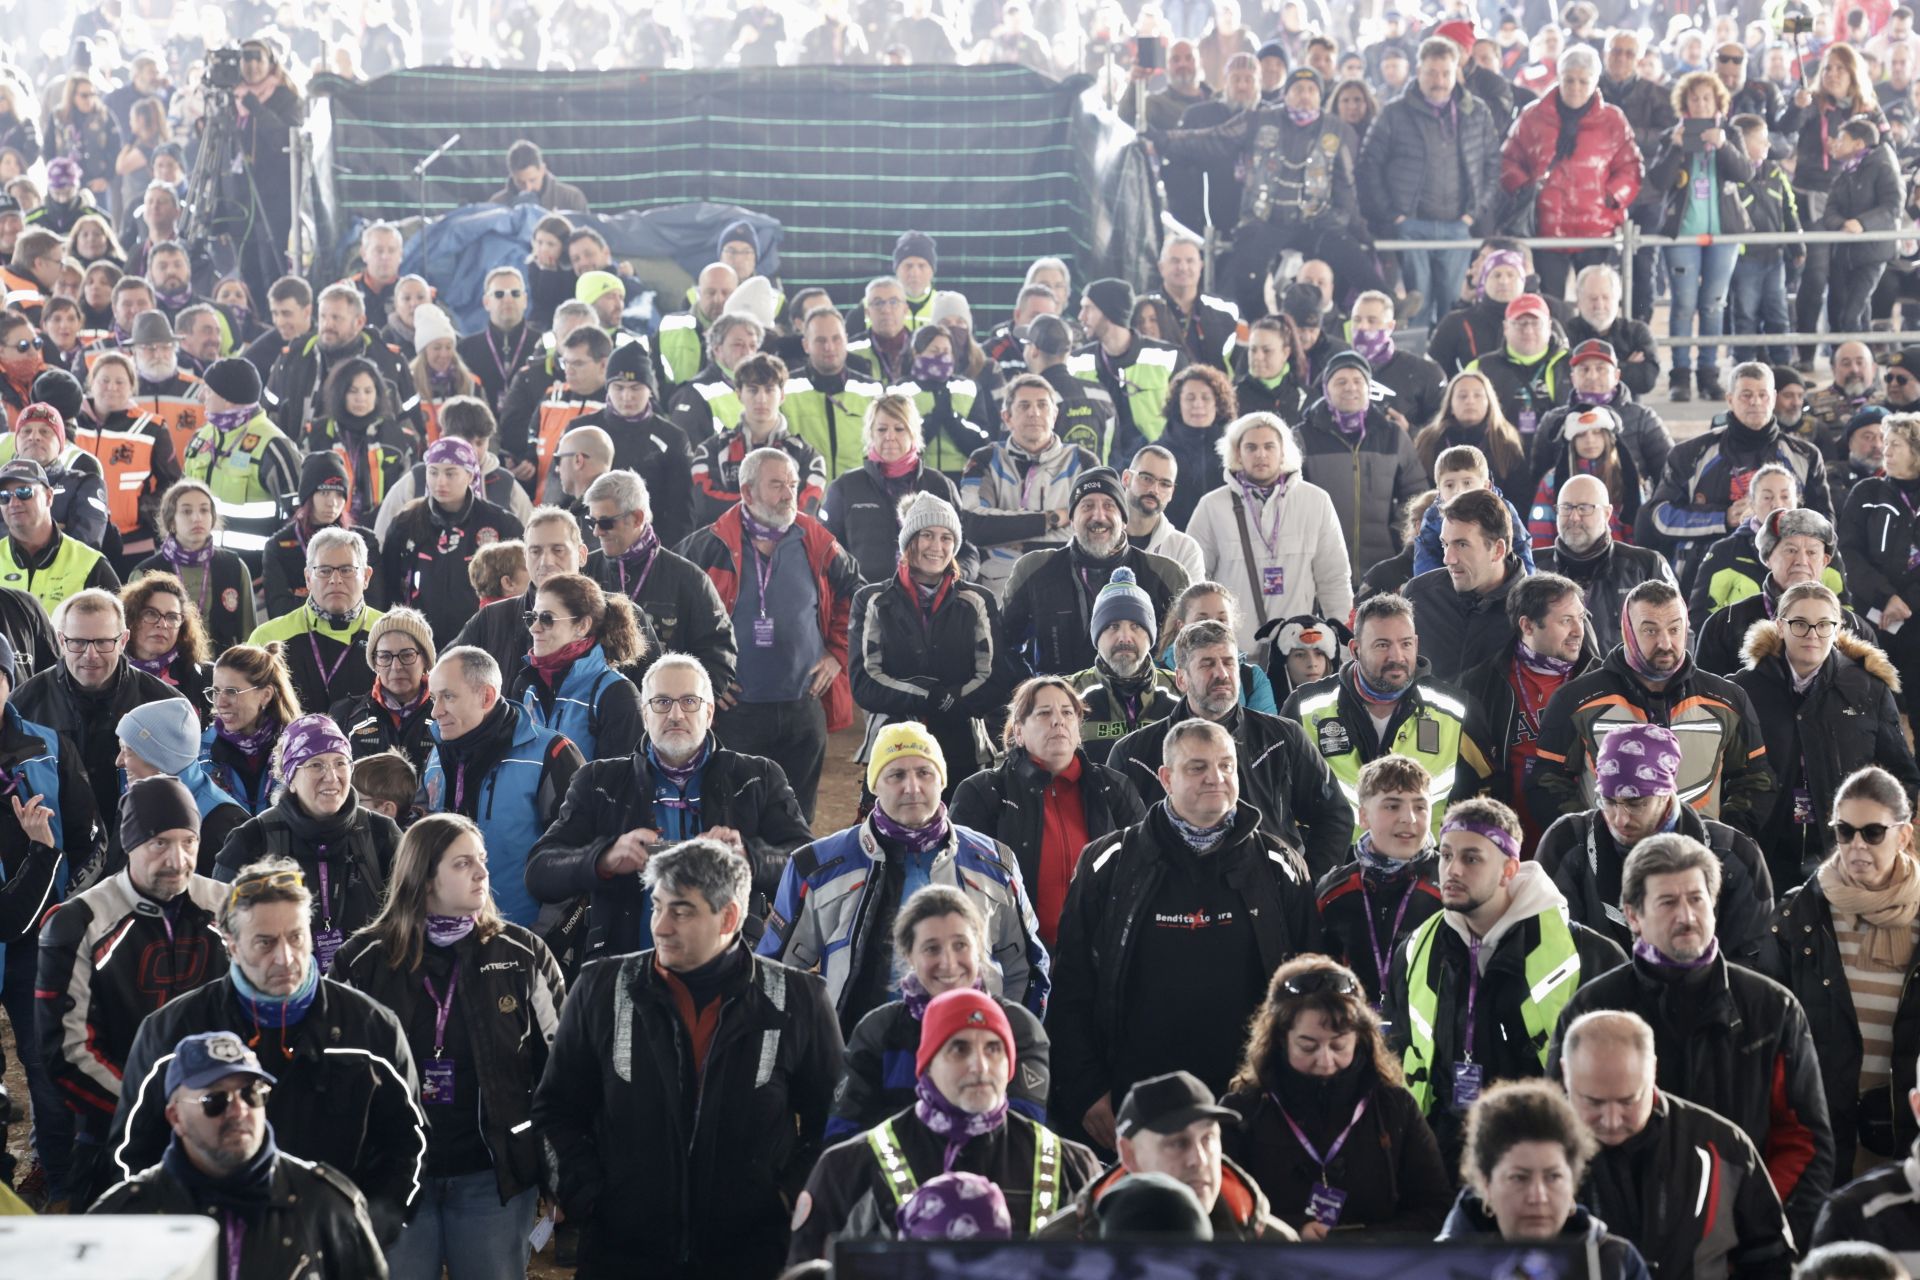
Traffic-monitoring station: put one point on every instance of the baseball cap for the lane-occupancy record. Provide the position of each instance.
(1527, 304)
(1591, 349)
(1167, 1104)
(209, 1057)
(25, 469)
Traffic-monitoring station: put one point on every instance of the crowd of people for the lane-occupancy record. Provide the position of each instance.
(1332, 758)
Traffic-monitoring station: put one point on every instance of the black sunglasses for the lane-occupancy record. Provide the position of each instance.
(24, 345)
(20, 492)
(1731, 57)
(509, 293)
(253, 1093)
(1873, 833)
(602, 524)
(544, 618)
(1321, 981)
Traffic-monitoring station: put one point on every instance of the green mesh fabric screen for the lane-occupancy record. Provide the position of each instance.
(1000, 164)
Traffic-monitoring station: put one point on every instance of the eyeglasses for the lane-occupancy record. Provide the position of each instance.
(1730, 57)
(1580, 509)
(544, 618)
(153, 617)
(77, 645)
(508, 293)
(263, 882)
(217, 692)
(1802, 627)
(252, 55)
(20, 492)
(605, 524)
(405, 657)
(1873, 833)
(885, 304)
(689, 704)
(1317, 981)
(254, 1093)
(332, 572)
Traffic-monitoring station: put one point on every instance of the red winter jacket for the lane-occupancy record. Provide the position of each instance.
(1586, 194)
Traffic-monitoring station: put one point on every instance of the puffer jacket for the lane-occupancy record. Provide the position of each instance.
(1585, 861)
(1281, 774)
(1619, 1260)
(1586, 194)
(947, 665)
(1731, 570)
(1872, 194)
(1393, 159)
(1881, 1208)
(1307, 569)
(1846, 719)
(831, 912)
(861, 510)
(1004, 505)
(1006, 802)
(1803, 954)
(1738, 1042)
(1719, 642)
(1370, 479)
(877, 1079)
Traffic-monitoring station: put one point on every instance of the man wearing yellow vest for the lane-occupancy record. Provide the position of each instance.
(1476, 991)
(1132, 370)
(865, 1186)
(709, 403)
(883, 350)
(239, 454)
(826, 403)
(324, 642)
(684, 336)
(80, 497)
(36, 557)
(1386, 702)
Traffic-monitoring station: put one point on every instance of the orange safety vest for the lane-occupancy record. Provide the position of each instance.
(22, 291)
(430, 410)
(182, 414)
(126, 468)
(555, 415)
(376, 475)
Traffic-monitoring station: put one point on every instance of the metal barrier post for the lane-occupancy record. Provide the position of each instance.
(1629, 242)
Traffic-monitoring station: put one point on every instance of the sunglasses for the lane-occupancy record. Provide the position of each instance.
(509, 293)
(1898, 379)
(20, 492)
(1321, 981)
(544, 618)
(1873, 833)
(24, 345)
(214, 1105)
(1730, 57)
(254, 886)
(604, 524)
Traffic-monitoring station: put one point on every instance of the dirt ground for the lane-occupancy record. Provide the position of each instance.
(839, 797)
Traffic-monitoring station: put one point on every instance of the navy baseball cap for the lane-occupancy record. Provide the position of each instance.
(210, 1057)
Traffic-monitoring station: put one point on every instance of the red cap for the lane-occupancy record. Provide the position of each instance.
(952, 1012)
(1593, 349)
(1460, 31)
(1527, 304)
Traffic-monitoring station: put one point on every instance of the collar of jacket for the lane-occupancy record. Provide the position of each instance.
(1711, 980)
(306, 1037)
(643, 772)
(1027, 771)
(16, 744)
(1677, 684)
(46, 555)
(1245, 827)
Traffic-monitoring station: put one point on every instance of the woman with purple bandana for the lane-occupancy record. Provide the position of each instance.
(425, 554)
(345, 851)
(480, 999)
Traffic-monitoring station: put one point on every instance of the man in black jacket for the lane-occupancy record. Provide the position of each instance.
(1727, 1038)
(348, 1092)
(1687, 1187)
(1795, 545)
(1586, 853)
(1585, 552)
(1171, 929)
(686, 1092)
(1279, 771)
(293, 396)
(1050, 611)
(681, 784)
(1881, 1207)
(1596, 300)
(645, 442)
(496, 353)
(1461, 607)
(222, 1162)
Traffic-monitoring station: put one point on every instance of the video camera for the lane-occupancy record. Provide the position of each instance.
(223, 69)
(1796, 24)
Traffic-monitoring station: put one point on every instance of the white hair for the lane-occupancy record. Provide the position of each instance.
(476, 665)
(754, 463)
(1229, 446)
(1581, 57)
(675, 662)
(334, 538)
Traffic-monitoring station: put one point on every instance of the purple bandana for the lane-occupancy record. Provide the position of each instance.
(1498, 258)
(1499, 837)
(919, 841)
(444, 931)
(310, 736)
(452, 449)
(952, 1122)
(159, 666)
(224, 420)
(1303, 118)
(1375, 344)
(916, 997)
(175, 554)
(251, 743)
(955, 1206)
(1350, 424)
(1638, 760)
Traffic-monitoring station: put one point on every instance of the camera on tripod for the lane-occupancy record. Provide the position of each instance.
(223, 69)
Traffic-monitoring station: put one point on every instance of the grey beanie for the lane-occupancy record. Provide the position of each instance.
(1792, 522)
(1122, 600)
(926, 511)
(166, 734)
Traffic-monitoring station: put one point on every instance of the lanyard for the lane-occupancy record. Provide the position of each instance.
(234, 1228)
(1383, 956)
(763, 570)
(501, 365)
(442, 1009)
(1473, 992)
(1026, 483)
(326, 673)
(634, 591)
(326, 899)
(1306, 1143)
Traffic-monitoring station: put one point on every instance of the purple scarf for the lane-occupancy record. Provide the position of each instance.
(680, 774)
(918, 841)
(757, 530)
(916, 997)
(250, 744)
(638, 558)
(176, 300)
(1539, 663)
(156, 667)
(1644, 950)
(224, 420)
(957, 1125)
(444, 931)
(1303, 118)
(1350, 424)
(181, 558)
(1375, 344)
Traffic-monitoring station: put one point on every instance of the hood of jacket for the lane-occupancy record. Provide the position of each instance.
(1533, 893)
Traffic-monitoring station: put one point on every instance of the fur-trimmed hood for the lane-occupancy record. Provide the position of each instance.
(1764, 640)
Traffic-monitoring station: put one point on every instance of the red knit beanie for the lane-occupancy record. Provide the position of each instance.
(951, 1013)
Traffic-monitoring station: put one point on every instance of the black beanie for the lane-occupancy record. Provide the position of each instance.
(151, 805)
(322, 470)
(61, 390)
(1114, 298)
(630, 362)
(915, 244)
(234, 380)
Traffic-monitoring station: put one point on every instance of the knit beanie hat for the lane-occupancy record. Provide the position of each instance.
(903, 738)
(955, 1206)
(927, 511)
(590, 287)
(962, 1009)
(1346, 360)
(1785, 375)
(741, 232)
(323, 469)
(915, 244)
(62, 391)
(307, 737)
(234, 380)
(166, 734)
(410, 623)
(1122, 600)
(1638, 760)
(757, 300)
(151, 805)
(1097, 480)
(430, 324)
(948, 305)
(1792, 522)
(1113, 297)
(630, 362)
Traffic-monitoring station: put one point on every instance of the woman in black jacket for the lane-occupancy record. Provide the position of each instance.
(480, 1001)
(550, 279)
(862, 508)
(1824, 702)
(1200, 404)
(219, 580)
(1327, 1128)
(939, 945)
(396, 714)
(165, 637)
(253, 702)
(1844, 944)
(1470, 413)
(345, 851)
(1867, 195)
(1046, 801)
(925, 645)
